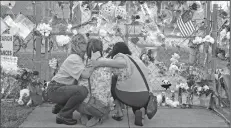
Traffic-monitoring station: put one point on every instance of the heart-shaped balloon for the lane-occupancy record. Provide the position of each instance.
(134, 40)
(107, 11)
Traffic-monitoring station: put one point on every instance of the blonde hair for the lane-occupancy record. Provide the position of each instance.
(74, 43)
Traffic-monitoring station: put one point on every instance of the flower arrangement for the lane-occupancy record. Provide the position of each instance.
(202, 90)
(183, 86)
(62, 40)
(53, 63)
(208, 39)
(175, 58)
(196, 43)
(44, 29)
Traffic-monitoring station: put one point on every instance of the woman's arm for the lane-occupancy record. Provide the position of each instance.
(87, 72)
(157, 44)
(119, 62)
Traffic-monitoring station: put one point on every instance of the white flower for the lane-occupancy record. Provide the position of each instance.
(176, 56)
(228, 35)
(103, 32)
(197, 40)
(74, 32)
(199, 89)
(69, 26)
(20, 102)
(223, 33)
(177, 86)
(206, 87)
(44, 29)
(46, 34)
(53, 63)
(186, 87)
(62, 40)
(173, 60)
(208, 38)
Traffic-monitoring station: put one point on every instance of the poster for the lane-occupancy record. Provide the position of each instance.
(7, 45)
(4, 26)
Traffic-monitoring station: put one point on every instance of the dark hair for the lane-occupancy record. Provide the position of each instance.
(119, 47)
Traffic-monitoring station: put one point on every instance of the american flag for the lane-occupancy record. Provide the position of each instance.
(185, 24)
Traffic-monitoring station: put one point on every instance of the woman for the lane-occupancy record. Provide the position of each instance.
(128, 87)
(64, 89)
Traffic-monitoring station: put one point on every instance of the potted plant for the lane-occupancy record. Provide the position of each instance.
(203, 91)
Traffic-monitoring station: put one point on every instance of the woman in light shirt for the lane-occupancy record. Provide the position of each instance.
(64, 89)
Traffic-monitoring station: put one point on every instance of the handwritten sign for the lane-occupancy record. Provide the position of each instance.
(7, 45)
(9, 62)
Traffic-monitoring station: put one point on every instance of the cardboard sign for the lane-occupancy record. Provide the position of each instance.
(7, 45)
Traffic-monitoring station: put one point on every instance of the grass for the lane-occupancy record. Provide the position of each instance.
(13, 115)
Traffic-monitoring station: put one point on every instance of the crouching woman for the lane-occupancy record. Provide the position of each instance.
(128, 86)
(64, 89)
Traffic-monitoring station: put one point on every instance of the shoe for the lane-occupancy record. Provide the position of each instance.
(138, 118)
(62, 120)
(117, 118)
(93, 121)
(84, 119)
(56, 109)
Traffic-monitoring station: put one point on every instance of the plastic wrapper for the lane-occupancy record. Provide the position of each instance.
(25, 26)
(4, 26)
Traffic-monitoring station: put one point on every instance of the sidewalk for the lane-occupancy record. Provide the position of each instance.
(165, 117)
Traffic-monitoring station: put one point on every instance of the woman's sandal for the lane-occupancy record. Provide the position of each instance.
(117, 118)
(138, 118)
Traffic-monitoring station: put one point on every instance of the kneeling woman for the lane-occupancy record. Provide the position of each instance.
(64, 89)
(128, 86)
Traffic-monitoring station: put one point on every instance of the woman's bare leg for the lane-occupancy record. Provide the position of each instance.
(118, 108)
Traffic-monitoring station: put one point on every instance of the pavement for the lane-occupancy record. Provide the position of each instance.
(165, 117)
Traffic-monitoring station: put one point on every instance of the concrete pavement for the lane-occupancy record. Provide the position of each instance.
(165, 117)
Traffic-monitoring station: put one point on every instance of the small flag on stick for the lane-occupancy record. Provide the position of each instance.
(185, 24)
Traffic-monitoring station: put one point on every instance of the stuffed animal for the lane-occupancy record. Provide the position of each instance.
(171, 103)
(173, 69)
(166, 84)
(25, 97)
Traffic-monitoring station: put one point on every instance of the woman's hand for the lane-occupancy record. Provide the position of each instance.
(93, 63)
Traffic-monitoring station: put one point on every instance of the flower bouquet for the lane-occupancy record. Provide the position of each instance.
(62, 40)
(183, 89)
(196, 43)
(203, 92)
(44, 29)
(194, 46)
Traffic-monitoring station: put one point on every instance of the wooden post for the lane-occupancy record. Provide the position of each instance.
(38, 15)
(46, 65)
(214, 46)
(208, 24)
(230, 67)
(126, 26)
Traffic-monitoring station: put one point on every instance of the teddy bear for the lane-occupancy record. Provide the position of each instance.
(173, 68)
